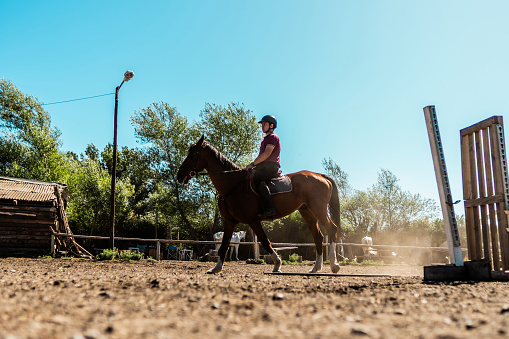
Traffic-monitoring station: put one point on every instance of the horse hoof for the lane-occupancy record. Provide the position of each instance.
(315, 270)
(335, 268)
(213, 271)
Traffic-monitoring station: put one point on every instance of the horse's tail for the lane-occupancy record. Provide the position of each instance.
(334, 205)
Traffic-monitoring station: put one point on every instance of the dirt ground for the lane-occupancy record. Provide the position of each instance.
(57, 298)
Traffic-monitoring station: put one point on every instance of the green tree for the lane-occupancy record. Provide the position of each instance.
(166, 136)
(29, 145)
(385, 210)
(135, 166)
(388, 192)
(359, 215)
(89, 204)
(340, 177)
(234, 132)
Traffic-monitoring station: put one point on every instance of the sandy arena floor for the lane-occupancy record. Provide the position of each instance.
(56, 298)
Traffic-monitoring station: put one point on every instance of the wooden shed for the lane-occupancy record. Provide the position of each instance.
(30, 212)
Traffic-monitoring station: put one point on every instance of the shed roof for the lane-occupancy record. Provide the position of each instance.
(27, 190)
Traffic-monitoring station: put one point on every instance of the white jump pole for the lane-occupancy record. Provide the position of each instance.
(444, 190)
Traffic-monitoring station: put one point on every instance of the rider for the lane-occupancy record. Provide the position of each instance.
(267, 164)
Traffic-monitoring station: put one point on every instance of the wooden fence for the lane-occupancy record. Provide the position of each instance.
(486, 192)
(347, 246)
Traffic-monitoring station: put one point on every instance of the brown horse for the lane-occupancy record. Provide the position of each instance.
(312, 194)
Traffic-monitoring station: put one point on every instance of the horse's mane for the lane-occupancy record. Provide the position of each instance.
(230, 165)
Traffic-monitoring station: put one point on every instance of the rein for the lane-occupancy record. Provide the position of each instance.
(192, 173)
(220, 172)
(223, 197)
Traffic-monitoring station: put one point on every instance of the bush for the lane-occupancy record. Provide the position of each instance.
(110, 254)
(107, 254)
(127, 256)
(293, 258)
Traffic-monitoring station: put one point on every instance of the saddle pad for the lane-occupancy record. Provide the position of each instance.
(281, 184)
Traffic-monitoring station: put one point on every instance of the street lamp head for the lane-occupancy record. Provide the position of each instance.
(128, 75)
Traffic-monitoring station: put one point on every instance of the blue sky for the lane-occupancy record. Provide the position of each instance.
(346, 79)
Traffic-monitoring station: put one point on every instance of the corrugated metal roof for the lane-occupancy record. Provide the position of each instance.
(27, 190)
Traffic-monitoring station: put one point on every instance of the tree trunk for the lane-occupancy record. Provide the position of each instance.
(215, 225)
(187, 223)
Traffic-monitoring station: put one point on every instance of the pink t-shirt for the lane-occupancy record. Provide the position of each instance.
(271, 139)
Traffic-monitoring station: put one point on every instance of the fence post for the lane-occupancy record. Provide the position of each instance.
(256, 252)
(158, 250)
(52, 248)
(326, 256)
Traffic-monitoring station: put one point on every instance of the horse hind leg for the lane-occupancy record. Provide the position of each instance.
(332, 230)
(236, 252)
(334, 266)
(312, 224)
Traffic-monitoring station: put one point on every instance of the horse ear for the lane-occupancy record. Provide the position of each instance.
(201, 140)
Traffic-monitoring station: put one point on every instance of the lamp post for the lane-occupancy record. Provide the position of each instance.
(127, 76)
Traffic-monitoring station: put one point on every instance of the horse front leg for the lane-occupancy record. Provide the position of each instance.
(262, 237)
(235, 252)
(229, 227)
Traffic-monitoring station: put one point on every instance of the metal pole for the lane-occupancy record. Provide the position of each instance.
(444, 190)
(114, 171)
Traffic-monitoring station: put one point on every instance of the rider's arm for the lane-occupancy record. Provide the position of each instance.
(262, 157)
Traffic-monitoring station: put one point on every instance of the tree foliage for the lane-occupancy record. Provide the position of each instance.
(234, 132)
(339, 176)
(29, 145)
(166, 136)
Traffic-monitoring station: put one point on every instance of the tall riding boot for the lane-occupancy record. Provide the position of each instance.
(268, 206)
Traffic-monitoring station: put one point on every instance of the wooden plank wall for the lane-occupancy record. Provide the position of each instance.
(485, 191)
(25, 227)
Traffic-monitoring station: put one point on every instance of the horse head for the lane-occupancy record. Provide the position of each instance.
(193, 163)
(242, 234)
(218, 236)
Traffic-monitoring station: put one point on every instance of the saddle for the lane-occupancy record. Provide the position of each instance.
(280, 184)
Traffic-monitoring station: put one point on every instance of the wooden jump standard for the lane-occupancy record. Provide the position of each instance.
(486, 192)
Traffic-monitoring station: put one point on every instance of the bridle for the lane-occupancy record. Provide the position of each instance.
(192, 173)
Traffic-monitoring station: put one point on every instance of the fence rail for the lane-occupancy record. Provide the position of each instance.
(206, 242)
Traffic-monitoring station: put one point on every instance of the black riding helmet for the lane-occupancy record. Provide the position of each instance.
(270, 119)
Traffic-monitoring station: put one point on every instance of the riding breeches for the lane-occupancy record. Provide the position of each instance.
(264, 172)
